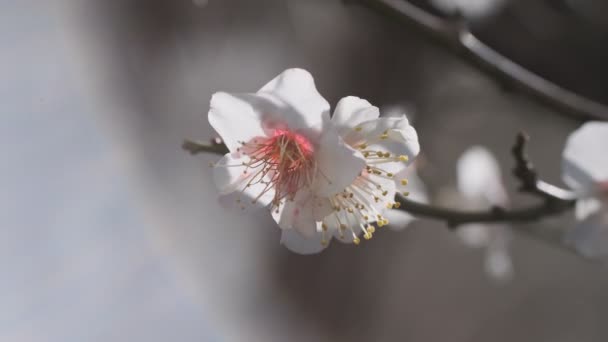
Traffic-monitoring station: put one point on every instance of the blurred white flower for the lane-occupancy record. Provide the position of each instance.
(320, 177)
(470, 9)
(480, 183)
(585, 170)
(388, 145)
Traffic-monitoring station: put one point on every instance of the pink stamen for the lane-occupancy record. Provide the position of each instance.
(286, 160)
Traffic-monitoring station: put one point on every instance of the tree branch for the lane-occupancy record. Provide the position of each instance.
(456, 36)
(216, 146)
(554, 199)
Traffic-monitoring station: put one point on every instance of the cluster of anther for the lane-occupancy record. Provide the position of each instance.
(283, 162)
(358, 206)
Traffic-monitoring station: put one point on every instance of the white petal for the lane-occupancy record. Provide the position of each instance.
(479, 176)
(401, 139)
(229, 175)
(235, 118)
(296, 89)
(302, 213)
(338, 164)
(584, 162)
(352, 111)
(498, 264)
(297, 243)
(586, 207)
(590, 236)
(398, 219)
(474, 235)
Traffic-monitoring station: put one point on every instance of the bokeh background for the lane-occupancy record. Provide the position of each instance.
(110, 232)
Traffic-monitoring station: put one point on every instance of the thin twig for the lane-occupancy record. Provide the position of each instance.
(554, 200)
(456, 35)
(194, 147)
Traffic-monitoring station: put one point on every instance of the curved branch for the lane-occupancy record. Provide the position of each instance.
(459, 38)
(455, 217)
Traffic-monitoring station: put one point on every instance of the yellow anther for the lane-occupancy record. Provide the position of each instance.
(350, 210)
(356, 241)
(396, 205)
(324, 243)
(358, 129)
(390, 174)
(366, 218)
(377, 172)
(380, 223)
(363, 146)
(389, 205)
(371, 229)
(376, 198)
(366, 154)
(367, 235)
(384, 136)
(324, 226)
(406, 193)
(404, 182)
(386, 155)
(379, 154)
(403, 158)
(384, 193)
(386, 222)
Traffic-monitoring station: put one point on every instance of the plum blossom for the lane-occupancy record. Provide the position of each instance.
(388, 145)
(320, 177)
(480, 183)
(585, 171)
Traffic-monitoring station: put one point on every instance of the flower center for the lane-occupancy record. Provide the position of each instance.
(283, 161)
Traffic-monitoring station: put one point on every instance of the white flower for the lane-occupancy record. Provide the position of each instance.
(284, 151)
(320, 177)
(585, 170)
(480, 182)
(388, 145)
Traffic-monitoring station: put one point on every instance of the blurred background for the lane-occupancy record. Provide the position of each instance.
(110, 232)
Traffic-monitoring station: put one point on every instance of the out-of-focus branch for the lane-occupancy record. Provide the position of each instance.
(194, 147)
(554, 200)
(456, 35)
